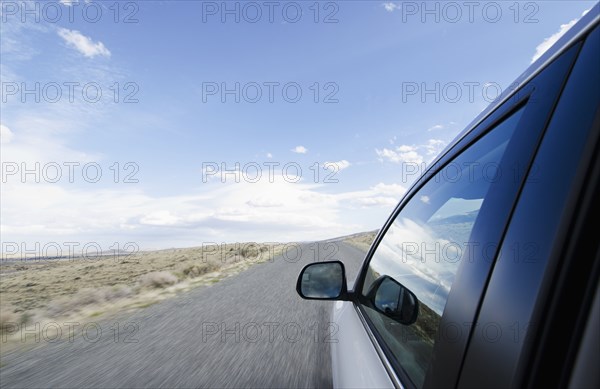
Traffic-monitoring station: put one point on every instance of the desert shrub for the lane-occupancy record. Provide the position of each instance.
(75, 301)
(118, 292)
(8, 319)
(88, 296)
(58, 307)
(200, 268)
(250, 250)
(158, 279)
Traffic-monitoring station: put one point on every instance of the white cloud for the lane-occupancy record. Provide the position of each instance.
(436, 127)
(434, 147)
(43, 139)
(263, 202)
(269, 155)
(376, 201)
(231, 212)
(285, 210)
(69, 3)
(6, 135)
(402, 154)
(160, 218)
(340, 165)
(300, 150)
(85, 45)
(552, 39)
(390, 7)
(244, 211)
(412, 154)
(381, 195)
(390, 189)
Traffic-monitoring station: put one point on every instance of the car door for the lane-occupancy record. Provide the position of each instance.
(548, 290)
(440, 243)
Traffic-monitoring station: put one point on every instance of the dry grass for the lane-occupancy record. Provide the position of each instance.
(88, 297)
(362, 241)
(158, 279)
(8, 317)
(59, 289)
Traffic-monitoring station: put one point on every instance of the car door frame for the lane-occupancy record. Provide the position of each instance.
(562, 276)
(537, 96)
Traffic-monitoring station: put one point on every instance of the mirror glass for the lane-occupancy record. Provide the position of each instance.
(322, 280)
(395, 301)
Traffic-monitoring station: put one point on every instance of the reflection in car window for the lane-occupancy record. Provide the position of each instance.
(423, 247)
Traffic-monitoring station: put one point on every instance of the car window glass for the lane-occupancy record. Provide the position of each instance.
(423, 248)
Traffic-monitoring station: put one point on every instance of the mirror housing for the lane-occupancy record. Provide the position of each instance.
(392, 299)
(323, 281)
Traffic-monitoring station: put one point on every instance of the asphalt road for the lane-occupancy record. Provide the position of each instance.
(247, 331)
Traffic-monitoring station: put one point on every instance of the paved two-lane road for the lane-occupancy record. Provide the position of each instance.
(250, 331)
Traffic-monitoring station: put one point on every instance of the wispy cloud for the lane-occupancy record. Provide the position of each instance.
(417, 154)
(390, 7)
(436, 127)
(380, 195)
(277, 211)
(84, 44)
(6, 134)
(552, 39)
(404, 153)
(300, 150)
(69, 3)
(341, 165)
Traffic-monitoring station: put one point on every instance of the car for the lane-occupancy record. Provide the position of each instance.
(486, 273)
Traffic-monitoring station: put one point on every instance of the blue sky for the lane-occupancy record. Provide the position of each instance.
(365, 59)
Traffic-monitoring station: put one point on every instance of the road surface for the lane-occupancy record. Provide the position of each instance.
(247, 331)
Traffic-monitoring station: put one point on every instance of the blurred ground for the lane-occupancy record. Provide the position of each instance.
(248, 330)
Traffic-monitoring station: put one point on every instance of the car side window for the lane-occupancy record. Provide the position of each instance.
(411, 272)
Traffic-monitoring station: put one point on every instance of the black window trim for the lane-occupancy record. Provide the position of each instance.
(503, 112)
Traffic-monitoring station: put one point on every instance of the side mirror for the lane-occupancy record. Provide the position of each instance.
(389, 297)
(323, 281)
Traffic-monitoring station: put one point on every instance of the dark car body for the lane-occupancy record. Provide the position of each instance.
(524, 304)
